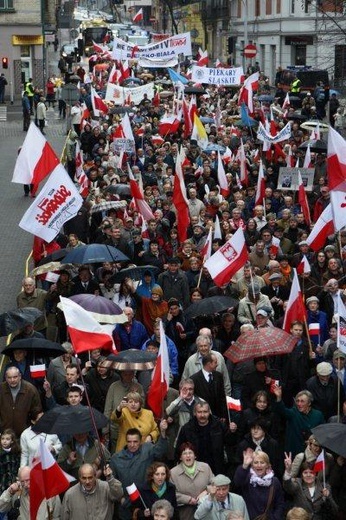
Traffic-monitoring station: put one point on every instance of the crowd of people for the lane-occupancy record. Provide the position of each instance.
(199, 459)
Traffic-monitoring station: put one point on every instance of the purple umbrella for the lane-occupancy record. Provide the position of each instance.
(103, 310)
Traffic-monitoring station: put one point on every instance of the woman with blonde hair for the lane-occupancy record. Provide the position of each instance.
(259, 487)
(130, 414)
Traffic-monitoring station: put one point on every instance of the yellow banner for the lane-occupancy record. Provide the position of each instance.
(27, 39)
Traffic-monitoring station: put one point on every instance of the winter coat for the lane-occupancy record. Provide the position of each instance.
(301, 498)
(143, 420)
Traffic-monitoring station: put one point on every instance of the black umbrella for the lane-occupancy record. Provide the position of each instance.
(39, 346)
(297, 117)
(123, 190)
(54, 257)
(70, 420)
(209, 306)
(131, 359)
(17, 319)
(121, 110)
(316, 145)
(95, 254)
(194, 90)
(135, 273)
(331, 436)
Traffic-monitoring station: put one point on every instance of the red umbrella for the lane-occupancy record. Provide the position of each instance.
(267, 341)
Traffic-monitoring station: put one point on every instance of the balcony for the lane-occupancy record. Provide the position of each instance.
(215, 9)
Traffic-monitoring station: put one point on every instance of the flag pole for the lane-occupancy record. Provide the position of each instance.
(308, 337)
(324, 469)
(339, 382)
(49, 511)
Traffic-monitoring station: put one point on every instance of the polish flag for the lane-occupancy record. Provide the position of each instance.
(217, 228)
(187, 120)
(80, 174)
(243, 166)
(160, 380)
(156, 99)
(180, 200)
(304, 266)
(114, 75)
(320, 464)
(203, 58)
(250, 85)
(47, 480)
(218, 64)
(125, 123)
(286, 104)
(322, 229)
(336, 160)
(275, 245)
(36, 159)
(228, 260)
(295, 307)
(168, 124)
(84, 331)
(124, 70)
(227, 156)
(233, 404)
(307, 158)
(138, 16)
(133, 492)
(314, 329)
(303, 201)
(341, 337)
(37, 371)
(235, 131)
(97, 103)
(338, 203)
(136, 193)
(100, 49)
(206, 249)
(261, 186)
(193, 107)
(221, 177)
(157, 140)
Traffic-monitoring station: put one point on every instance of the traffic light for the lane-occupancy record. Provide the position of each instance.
(4, 63)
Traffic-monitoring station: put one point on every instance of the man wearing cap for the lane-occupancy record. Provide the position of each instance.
(174, 283)
(249, 277)
(304, 250)
(219, 501)
(324, 389)
(249, 305)
(259, 379)
(339, 371)
(262, 318)
(198, 238)
(276, 293)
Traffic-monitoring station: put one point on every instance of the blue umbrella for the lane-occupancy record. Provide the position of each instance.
(265, 97)
(332, 91)
(128, 81)
(214, 148)
(206, 119)
(95, 254)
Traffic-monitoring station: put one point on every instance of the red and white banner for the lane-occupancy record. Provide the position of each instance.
(38, 371)
(173, 46)
(36, 159)
(227, 260)
(57, 202)
(85, 332)
(295, 310)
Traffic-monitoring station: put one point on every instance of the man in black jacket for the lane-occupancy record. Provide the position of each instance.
(324, 389)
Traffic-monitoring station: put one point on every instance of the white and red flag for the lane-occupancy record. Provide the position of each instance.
(227, 260)
(97, 103)
(84, 331)
(202, 60)
(187, 119)
(227, 156)
(341, 338)
(322, 229)
(100, 49)
(320, 464)
(275, 246)
(114, 75)
(286, 104)
(250, 85)
(304, 266)
(47, 480)
(36, 159)
(295, 310)
(217, 228)
(80, 174)
(206, 249)
(168, 124)
(233, 404)
(221, 177)
(157, 140)
(124, 70)
(133, 492)
(138, 16)
(307, 158)
(160, 380)
(193, 108)
(336, 163)
(38, 371)
(261, 186)
(314, 329)
(180, 200)
(136, 193)
(303, 200)
(57, 202)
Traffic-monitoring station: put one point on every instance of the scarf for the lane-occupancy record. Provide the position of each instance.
(265, 481)
(160, 491)
(190, 470)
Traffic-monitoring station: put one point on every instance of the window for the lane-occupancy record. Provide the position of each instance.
(268, 6)
(6, 4)
(278, 6)
(239, 9)
(258, 8)
(335, 6)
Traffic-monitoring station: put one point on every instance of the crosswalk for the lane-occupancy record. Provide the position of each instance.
(3, 113)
